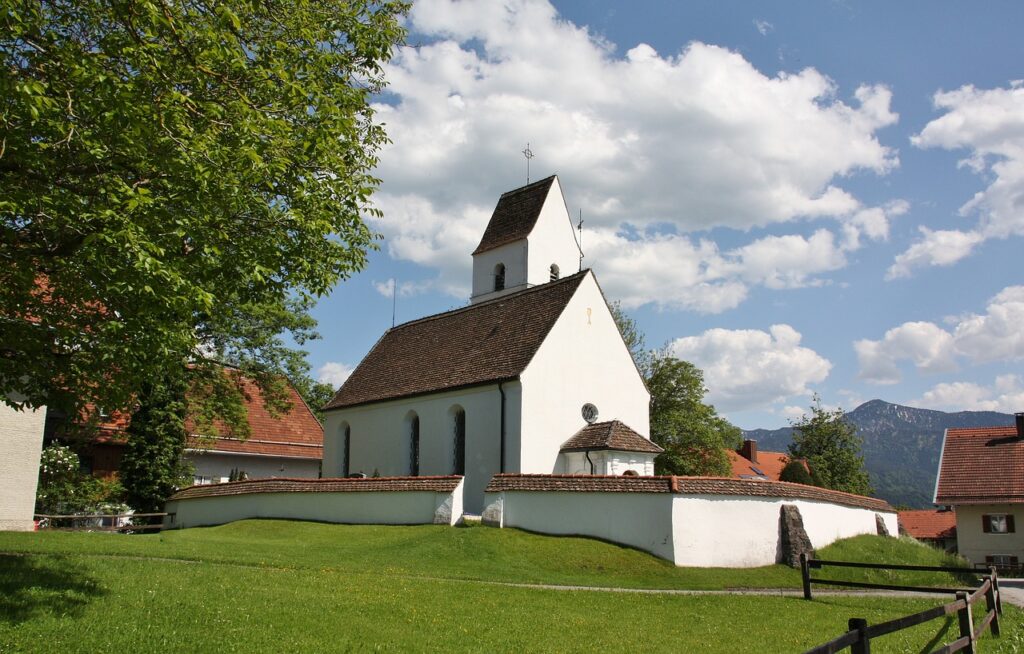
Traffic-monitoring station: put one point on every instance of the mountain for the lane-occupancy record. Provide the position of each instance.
(901, 445)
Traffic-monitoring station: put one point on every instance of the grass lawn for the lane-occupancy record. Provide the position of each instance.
(282, 586)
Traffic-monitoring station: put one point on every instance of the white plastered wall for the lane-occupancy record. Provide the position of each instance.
(582, 360)
(379, 436)
(220, 464)
(513, 257)
(552, 240)
(21, 433)
(606, 462)
(743, 532)
(640, 520)
(972, 541)
(382, 508)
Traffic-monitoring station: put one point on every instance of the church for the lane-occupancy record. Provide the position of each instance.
(531, 377)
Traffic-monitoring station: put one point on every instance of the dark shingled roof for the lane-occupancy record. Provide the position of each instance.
(610, 435)
(483, 343)
(981, 466)
(344, 485)
(516, 214)
(681, 485)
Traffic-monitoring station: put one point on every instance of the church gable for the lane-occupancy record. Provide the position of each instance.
(483, 343)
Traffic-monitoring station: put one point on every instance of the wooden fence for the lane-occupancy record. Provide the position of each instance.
(858, 638)
(98, 522)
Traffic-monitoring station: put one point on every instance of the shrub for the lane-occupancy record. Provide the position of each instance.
(796, 472)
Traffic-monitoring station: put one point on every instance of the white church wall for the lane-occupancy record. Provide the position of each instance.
(582, 360)
(408, 507)
(380, 438)
(218, 465)
(640, 520)
(605, 462)
(552, 241)
(513, 257)
(22, 435)
(743, 532)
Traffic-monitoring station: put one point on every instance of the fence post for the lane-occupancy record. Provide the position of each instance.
(805, 574)
(966, 622)
(863, 644)
(990, 605)
(995, 586)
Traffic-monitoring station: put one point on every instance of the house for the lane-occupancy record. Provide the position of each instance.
(508, 383)
(981, 475)
(285, 445)
(933, 526)
(748, 463)
(21, 432)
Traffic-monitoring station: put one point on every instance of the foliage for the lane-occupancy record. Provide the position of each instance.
(64, 489)
(316, 394)
(179, 177)
(829, 443)
(152, 467)
(796, 472)
(634, 338)
(694, 436)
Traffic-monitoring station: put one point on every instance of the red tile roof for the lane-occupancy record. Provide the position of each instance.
(515, 216)
(295, 433)
(483, 343)
(981, 466)
(344, 485)
(769, 463)
(610, 435)
(682, 485)
(928, 523)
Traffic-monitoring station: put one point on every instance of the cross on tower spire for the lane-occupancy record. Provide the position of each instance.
(528, 153)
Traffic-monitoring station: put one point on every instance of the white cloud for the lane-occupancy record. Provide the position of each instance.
(701, 139)
(750, 368)
(995, 335)
(334, 373)
(763, 26)
(990, 125)
(1006, 394)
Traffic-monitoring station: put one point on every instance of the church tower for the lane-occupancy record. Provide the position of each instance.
(528, 241)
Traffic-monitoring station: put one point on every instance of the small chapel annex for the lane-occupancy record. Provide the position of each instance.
(531, 377)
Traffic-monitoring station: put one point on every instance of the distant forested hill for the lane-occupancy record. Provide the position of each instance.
(901, 445)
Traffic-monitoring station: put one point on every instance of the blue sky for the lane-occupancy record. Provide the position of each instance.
(799, 197)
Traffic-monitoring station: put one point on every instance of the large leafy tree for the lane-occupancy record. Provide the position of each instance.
(694, 436)
(179, 177)
(831, 447)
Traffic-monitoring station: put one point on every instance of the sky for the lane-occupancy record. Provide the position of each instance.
(799, 197)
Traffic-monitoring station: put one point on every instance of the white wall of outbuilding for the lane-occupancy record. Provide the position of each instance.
(21, 433)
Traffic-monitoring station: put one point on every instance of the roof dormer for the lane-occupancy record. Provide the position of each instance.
(529, 240)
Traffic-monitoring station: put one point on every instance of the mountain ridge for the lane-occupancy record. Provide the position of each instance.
(901, 446)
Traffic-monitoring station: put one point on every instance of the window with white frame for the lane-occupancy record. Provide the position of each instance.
(997, 523)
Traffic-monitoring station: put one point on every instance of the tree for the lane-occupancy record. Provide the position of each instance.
(694, 436)
(796, 472)
(179, 178)
(831, 447)
(633, 337)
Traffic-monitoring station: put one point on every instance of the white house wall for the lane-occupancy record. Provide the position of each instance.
(606, 462)
(218, 465)
(21, 433)
(552, 240)
(972, 541)
(380, 439)
(582, 360)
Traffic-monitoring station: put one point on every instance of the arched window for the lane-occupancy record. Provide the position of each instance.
(459, 433)
(414, 446)
(554, 271)
(499, 277)
(346, 450)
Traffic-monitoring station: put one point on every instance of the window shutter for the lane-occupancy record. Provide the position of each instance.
(1009, 524)
(1013, 561)
(986, 524)
(990, 560)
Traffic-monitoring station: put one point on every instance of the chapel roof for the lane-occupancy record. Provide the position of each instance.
(487, 342)
(515, 216)
(981, 466)
(928, 523)
(610, 435)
